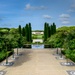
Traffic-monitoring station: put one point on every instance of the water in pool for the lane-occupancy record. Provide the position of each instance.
(37, 46)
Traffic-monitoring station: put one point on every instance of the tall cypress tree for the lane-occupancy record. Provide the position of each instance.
(23, 31)
(30, 33)
(27, 32)
(20, 30)
(45, 30)
(20, 38)
(54, 27)
(51, 29)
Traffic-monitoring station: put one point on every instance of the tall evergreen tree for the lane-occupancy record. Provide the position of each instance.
(54, 27)
(23, 31)
(27, 32)
(45, 31)
(51, 29)
(20, 30)
(30, 33)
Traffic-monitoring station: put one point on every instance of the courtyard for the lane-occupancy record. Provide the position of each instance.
(36, 62)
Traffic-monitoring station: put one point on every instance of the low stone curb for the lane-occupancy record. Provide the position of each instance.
(59, 58)
(67, 64)
(9, 64)
(71, 72)
(2, 72)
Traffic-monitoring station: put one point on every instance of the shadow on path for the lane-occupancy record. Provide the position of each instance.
(26, 56)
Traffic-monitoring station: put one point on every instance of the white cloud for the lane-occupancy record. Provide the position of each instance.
(71, 10)
(65, 22)
(47, 16)
(64, 16)
(63, 19)
(72, 7)
(28, 7)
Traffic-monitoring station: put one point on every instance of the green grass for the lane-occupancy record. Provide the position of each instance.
(35, 36)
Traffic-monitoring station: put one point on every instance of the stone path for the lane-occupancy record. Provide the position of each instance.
(37, 62)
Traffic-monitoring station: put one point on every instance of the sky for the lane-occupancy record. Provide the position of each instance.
(20, 12)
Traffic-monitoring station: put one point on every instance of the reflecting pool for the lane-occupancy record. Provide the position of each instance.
(37, 46)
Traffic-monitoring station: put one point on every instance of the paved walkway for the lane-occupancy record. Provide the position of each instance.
(37, 62)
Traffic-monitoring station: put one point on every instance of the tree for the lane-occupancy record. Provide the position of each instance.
(6, 41)
(45, 36)
(27, 32)
(72, 55)
(67, 54)
(23, 31)
(49, 31)
(46, 31)
(20, 30)
(54, 28)
(30, 33)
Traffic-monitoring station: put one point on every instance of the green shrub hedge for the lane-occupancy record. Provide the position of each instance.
(3, 55)
(72, 54)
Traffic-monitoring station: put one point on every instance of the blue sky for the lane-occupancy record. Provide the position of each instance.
(37, 12)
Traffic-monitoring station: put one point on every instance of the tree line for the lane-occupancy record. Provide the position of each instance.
(64, 38)
(26, 32)
(49, 30)
(11, 38)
